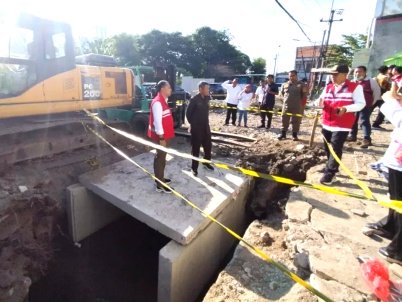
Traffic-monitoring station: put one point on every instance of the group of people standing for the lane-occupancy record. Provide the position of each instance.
(343, 102)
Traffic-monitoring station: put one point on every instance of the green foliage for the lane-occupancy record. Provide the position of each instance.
(343, 53)
(259, 66)
(205, 53)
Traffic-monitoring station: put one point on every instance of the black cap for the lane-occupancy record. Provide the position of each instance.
(339, 69)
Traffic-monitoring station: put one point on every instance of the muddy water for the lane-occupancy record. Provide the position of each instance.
(117, 264)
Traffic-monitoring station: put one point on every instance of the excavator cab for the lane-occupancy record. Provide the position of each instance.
(32, 50)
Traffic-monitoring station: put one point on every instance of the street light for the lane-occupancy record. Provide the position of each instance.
(276, 58)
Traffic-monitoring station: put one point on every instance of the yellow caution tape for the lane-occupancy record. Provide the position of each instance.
(393, 204)
(257, 109)
(226, 166)
(253, 248)
(361, 184)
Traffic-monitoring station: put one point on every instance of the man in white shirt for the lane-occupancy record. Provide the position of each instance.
(260, 92)
(340, 100)
(233, 90)
(245, 98)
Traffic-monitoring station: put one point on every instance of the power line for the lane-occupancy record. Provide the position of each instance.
(291, 17)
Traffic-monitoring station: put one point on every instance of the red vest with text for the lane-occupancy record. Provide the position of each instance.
(332, 101)
(368, 92)
(167, 120)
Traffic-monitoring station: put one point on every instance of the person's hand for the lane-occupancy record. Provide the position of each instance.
(340, 111)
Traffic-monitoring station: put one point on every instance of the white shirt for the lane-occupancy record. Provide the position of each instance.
(157, 114)
(260, 92)
(244, 100)
(232, 93)
(359, 102)
(392, 110)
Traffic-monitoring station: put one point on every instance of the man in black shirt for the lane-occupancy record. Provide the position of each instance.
(197, 115)
(268, 101)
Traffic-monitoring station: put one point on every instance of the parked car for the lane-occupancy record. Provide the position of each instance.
(217, 91)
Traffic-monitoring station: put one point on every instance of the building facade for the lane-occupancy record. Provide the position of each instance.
(306, 58)
(387, 35)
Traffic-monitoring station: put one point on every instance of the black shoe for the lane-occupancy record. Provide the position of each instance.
(282, 135)
(377, 127)
(226, 124)
(234, 124)
(295, 138)
(209, 167)
(167, 181)
(262, 126)
(371, 229)
(195, 172)
(328, 179)
(162, 189)
(390, 256)
(366, 143)
(245, 126)
(351, 139)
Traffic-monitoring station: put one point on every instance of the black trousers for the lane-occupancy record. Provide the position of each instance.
(393, 222)
(231, 112)
(267, 115)
(200, 137)
(160, 164)
(337, 140)
(380, 117)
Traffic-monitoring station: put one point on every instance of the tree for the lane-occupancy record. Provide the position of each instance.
(213, 49)
(126, 50)
(160, 48)
(343, 53)
(259, 66)
(97, 46)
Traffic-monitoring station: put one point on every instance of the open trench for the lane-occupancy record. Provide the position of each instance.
(38, 261)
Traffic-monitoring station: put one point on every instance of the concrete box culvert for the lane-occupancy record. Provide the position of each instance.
(198, 246)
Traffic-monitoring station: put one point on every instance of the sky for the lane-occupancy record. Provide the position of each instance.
(259, 28)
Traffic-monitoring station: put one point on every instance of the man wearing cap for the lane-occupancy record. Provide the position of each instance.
(372, 92)
(293, 93)
(340, 100)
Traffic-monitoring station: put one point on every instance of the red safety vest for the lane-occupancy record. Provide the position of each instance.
(167, 120)
(368, 92)
(333, 100)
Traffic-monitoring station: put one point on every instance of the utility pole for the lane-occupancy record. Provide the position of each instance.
(324, 49)
(330, 21)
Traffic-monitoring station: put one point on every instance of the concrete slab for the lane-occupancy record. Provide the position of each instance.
(87, 212)
(129, 189)
(185, 271)
(298, 211)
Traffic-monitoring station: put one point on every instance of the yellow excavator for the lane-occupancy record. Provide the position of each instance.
(39, 74)
(44, 87)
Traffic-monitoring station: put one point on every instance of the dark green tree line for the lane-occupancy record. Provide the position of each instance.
(205, 53)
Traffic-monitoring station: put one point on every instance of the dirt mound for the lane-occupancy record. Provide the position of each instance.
(27, 229)
(271, 196)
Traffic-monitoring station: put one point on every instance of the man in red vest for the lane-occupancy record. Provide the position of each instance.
(340, 100)
(161, 130)
(372, 93)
